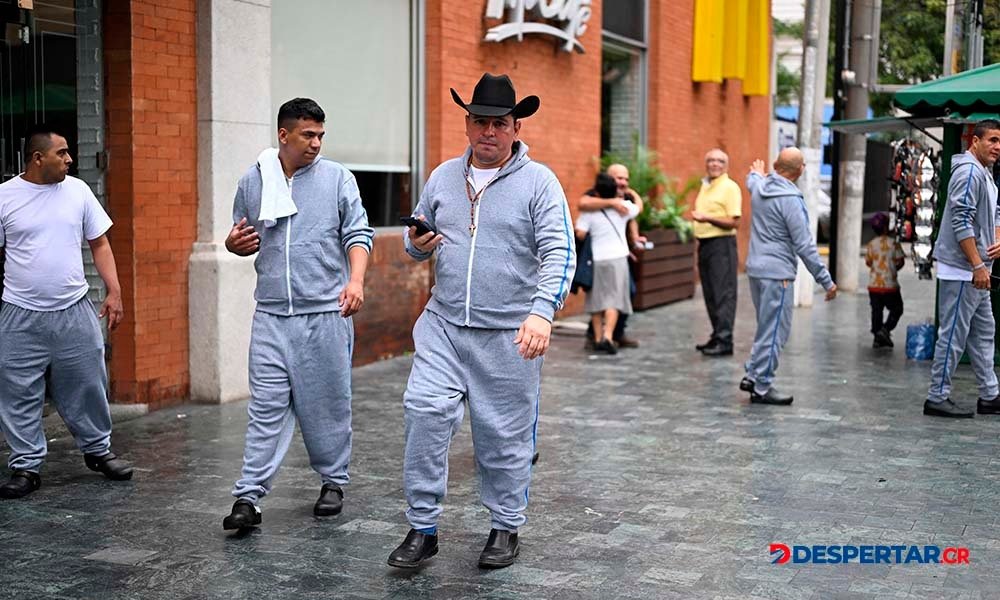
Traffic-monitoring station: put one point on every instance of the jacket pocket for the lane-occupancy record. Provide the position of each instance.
(501, 280)
(450, 274)
(270, 267)
(316, 272)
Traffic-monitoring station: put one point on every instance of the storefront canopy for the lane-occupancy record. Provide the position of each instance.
(861, 126)
(970, 91)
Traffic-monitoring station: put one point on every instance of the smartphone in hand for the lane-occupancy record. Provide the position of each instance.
(422, 226)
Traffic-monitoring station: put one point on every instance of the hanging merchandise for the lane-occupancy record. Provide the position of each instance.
(913, 196)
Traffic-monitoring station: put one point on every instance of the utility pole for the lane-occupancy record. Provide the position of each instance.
(865, 18)
(811, 98)
(948, 66)
(974, 25)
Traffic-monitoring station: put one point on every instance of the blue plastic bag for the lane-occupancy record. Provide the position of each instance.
(920, 341)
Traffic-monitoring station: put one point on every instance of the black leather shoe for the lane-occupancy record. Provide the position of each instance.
(500, 551)
(331, 501)
(746, 385)
(700, 347)
(244, 515)
(415, 549)
(606, 346)
(771, 397)
(718, 349)
(21, 484)
(947, 409)
(113, 467)
(988, 407)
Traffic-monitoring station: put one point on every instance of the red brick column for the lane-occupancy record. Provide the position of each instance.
(152, 183)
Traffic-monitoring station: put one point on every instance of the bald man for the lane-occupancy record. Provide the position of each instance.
(716, 215)
(779, 233)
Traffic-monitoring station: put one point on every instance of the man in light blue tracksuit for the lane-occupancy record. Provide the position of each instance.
(303, 214)
(965, 249)
(779, 235)
(505, 258)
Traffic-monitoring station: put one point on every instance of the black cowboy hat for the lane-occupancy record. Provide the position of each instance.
(494, 97)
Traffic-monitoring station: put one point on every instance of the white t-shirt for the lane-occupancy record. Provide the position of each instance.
(480, 177)
(950, 273)
(607, 233)
(42, 228)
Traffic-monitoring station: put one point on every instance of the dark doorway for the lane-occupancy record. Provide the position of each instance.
(38, 83)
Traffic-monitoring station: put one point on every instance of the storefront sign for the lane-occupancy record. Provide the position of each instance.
(570, 15)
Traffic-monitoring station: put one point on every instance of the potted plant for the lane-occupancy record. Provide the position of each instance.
(665, 273)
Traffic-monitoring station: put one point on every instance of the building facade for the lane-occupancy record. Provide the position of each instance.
(171, 101)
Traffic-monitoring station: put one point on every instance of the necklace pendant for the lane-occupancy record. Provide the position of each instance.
(472, 229)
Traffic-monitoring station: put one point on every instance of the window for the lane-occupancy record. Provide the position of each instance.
(623, 75)
(356, 59)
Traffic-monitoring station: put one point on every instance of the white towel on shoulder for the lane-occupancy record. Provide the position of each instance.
(275, 196)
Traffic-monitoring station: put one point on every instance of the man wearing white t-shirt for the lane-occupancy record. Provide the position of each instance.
(46, 320)
(609, 296)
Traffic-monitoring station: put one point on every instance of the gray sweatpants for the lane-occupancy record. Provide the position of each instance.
(300, 369)
(450, 364)
(966, 323)
(772, 299)
(70, 342)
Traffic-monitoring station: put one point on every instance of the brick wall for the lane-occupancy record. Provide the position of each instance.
(687, 119)
(152, 181)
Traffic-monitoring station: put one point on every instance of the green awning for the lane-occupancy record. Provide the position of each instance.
(974, 91)
(861, 126)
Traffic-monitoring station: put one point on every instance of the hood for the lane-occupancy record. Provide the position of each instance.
(964, 158)
(518, 160)
(776, 186)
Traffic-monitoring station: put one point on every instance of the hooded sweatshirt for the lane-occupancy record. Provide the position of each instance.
(520, 258)
(779, 232)
(302, 263)
(970, 212)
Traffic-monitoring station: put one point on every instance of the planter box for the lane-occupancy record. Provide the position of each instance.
(664, 274)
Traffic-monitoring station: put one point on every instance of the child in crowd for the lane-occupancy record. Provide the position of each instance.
(884, 257)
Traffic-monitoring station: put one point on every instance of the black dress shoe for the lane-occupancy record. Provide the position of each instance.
(606, 346)
(500, 551)
(771, 397)
(21, 484)
(746, 384)
(415, 549)
(947, 409)
(718, 349)
(331, 501)
(113, 467)
(245, 514)
(700, 347)
(988, 407)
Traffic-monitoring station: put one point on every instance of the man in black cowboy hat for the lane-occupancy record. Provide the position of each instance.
(505, 258)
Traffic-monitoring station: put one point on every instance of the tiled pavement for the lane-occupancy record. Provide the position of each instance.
(657, 480)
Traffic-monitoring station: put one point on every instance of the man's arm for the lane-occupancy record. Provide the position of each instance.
(720, 222)
(557, 255)
(242, 239)
(104, 260)
(353, 294)
(357, 236)
(593, 203)
(797, 221)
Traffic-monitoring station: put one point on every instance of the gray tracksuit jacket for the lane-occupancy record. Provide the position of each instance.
(970, 212)
(302, 264)
(521, 257)
(779, 232)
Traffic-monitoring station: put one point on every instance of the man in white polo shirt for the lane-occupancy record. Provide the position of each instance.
(46, 320)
